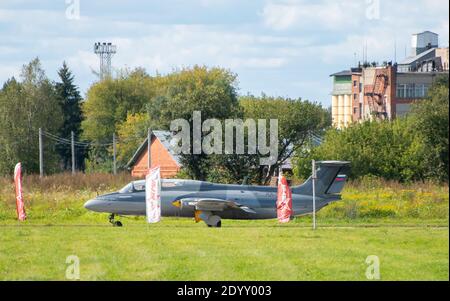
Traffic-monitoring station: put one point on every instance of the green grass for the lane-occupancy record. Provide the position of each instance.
(176, 249)
(406, 226)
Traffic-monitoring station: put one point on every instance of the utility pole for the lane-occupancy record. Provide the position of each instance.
(149, 148)
(73, 151)
(114, 154)
(41, 155)
(314, 176)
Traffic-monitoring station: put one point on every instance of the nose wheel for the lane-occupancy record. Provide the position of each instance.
(114, 222)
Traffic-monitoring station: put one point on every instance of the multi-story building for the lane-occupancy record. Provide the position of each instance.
(385, 92)
(341, 108)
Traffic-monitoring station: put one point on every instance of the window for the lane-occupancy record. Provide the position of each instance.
(355, 83)
(419, 91)
(425, 90)
(139, 185)
(401, 91)
(127, 189)
(412, 90)
(355, 96)
(133, 187)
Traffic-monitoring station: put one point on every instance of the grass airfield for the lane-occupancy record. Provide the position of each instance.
(407, 228)
(178, 250)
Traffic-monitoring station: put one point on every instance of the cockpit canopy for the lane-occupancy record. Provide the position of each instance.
(139, 186)
(135, 186)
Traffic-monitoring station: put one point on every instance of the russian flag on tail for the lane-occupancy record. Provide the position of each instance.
(340, 178)
(284, 200)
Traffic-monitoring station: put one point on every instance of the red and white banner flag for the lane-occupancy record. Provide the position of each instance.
(20, 207)
(153, 195)
(284, 200)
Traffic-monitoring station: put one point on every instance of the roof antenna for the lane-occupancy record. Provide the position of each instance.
(395, 50)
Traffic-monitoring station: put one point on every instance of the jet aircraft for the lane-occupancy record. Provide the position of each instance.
(211, 202)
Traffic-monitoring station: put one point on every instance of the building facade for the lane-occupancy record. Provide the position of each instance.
(385, 92)
(162, 155)
(341, 108)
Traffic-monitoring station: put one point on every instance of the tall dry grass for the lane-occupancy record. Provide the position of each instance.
(68, 182)
(102, 181)
(61, 197)
(57, 197)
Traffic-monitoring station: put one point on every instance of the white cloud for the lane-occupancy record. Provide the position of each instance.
(83, 60)
(286, 43)
(280, 16)
(330, 15)
(165, 48)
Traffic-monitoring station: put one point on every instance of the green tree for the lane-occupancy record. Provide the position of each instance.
(134, 101)
(212, 91)
(131, 133)
(409, 148)
(391, 150)
(297, 121)
(70, 102)
(107, 105)
(25, 107)
(430, 118)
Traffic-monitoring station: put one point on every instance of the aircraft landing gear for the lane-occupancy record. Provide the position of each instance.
(113, 222)
(217, 225)
(212, 221)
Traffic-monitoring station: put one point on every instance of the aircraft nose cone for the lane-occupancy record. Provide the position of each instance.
(93, 205)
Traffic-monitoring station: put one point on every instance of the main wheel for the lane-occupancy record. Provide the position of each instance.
(219, 224)
(117, 224)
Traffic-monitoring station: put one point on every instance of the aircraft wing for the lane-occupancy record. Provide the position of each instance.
(211, 204)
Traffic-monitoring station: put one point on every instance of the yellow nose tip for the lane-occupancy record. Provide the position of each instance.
(177, 203)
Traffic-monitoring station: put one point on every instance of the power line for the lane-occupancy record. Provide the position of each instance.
(63, 140)
(69, 141)
(65, 143)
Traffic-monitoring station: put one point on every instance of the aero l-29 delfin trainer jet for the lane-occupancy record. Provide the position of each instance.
(211, 202)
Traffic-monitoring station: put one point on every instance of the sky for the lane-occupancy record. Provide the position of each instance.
(282, 48)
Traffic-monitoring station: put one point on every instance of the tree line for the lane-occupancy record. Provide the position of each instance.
(130, 103)
(135, 101)
(31, 102)
(410, 148)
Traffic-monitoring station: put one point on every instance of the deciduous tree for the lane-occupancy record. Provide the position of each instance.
(25, 107)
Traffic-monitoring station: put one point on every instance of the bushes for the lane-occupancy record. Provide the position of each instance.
(407, 149)
(391, 150)
(430, 119)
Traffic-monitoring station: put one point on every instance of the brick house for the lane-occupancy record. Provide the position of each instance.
(161, 154)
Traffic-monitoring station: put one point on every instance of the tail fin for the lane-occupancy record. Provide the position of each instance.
(331, 177)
